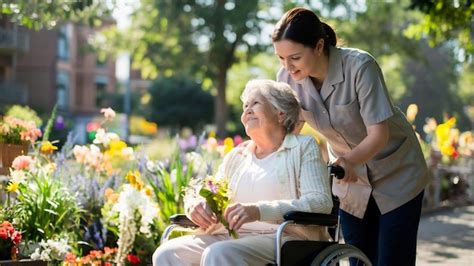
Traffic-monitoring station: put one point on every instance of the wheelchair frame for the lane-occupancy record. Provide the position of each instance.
(327, 256)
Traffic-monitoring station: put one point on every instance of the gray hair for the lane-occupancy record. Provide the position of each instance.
(280, 95)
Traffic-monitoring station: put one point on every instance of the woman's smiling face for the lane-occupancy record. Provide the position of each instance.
(300, 61)
(259, 114)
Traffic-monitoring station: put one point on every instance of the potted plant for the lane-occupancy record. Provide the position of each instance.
(15, 135)
(9, 240)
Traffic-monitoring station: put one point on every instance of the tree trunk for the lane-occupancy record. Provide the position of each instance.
(220, 103)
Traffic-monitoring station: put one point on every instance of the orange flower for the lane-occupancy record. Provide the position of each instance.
(70, 258)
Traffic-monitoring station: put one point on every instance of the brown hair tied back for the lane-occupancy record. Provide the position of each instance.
(303, 26)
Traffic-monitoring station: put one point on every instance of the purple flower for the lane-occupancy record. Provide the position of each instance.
(192, 141)
(59, 123)
(183, 144)
(212, 187)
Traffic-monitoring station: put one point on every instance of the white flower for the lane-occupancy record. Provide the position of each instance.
(151, 166)
(17, 176)
(173, 175)
(109, 113)
(36, 255)
(127, 153)
(136, 213)
(104, 138)
(51, 250)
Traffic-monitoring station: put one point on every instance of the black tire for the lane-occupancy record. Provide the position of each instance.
(339, 254)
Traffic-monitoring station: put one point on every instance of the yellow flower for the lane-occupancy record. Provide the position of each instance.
(135, 180)
(12, 187)
(446, 137)
(212, 134)
(412, 111)
(228, 145)
(115, 148)
(47, 147)
(148, 191)
(138, 185)
(132, 177)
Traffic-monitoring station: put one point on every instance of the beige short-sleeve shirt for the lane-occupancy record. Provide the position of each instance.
(352, 97)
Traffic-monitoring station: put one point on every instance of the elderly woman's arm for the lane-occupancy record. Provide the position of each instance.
(315, 194)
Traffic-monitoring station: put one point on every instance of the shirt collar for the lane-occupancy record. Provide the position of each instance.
(289, 142)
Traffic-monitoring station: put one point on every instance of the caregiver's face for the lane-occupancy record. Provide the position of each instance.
(299, 60)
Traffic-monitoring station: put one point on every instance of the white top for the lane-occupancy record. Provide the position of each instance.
(256, 184)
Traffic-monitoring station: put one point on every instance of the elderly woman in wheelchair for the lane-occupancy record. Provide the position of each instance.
(275, 173)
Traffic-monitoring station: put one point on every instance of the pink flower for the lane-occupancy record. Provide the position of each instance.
(109, 114)
(22, 162)
(16, 238)
(212, 187)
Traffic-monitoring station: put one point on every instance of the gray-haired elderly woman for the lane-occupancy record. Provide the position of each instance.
(275, 173)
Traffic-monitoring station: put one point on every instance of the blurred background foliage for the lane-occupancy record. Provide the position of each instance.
(213, 48)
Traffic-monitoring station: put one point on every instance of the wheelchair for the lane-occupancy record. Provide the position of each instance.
(301, 252)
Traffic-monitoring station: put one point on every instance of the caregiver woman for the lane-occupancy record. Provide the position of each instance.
(343, 95)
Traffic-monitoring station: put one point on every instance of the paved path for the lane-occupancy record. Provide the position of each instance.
(447, 238)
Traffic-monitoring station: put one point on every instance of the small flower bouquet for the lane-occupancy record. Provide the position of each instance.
(9, 240)
(216, 194)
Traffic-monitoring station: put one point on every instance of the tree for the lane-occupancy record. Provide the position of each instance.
(195, 38)
(180, 101)
(412, 70)
(433, 76)
(37, 14)
(445, 20)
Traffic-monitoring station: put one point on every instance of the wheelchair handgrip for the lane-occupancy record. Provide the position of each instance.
(336, 171)
(182, 220)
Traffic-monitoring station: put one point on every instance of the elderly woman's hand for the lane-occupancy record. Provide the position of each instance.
(350, 175)
(201, 214)
(238, 214)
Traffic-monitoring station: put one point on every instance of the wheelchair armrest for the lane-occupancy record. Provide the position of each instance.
(309, 218)
(182, 220)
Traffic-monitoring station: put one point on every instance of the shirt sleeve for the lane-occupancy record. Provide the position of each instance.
(282, 75)
(375, 104)
(315, 194)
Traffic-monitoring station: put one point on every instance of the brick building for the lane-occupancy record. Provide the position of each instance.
(41, 68)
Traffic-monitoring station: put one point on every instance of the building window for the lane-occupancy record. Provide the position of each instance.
(101, 91)
(63, 43)
(101, 62)
(62, 89)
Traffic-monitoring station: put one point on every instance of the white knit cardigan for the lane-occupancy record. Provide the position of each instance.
(303, 180)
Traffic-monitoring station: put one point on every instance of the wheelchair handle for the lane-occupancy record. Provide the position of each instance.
(336, 171)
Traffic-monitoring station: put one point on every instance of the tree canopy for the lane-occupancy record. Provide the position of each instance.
(38, 14)
(445, 20)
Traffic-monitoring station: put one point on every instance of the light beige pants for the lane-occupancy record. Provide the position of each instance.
(217, 250)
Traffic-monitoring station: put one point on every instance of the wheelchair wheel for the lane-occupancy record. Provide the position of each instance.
(341, 255)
